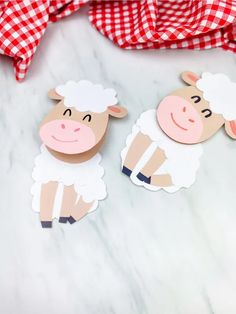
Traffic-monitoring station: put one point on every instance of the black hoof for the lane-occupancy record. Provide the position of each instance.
(126, 171)
(63, 220)
(71, 220)
(143, 178)
(46, 224)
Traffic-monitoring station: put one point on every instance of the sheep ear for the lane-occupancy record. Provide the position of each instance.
(52, 94)
(190, 78)
(230, 128)
(117, 111)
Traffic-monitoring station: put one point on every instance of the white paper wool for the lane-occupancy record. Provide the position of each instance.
(86, 178)
(219, 91)
(182, 161)
(86, 96)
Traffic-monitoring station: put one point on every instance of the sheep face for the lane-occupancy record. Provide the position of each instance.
(69, 131)
(185, 115)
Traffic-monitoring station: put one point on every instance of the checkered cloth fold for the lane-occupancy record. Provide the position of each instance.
(136, 24)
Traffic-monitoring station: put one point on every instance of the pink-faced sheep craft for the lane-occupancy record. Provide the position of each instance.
(67, 173)
(164, 147)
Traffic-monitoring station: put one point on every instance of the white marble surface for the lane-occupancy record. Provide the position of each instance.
(140, 252)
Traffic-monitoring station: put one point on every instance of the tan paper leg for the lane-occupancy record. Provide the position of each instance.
(139, 145)
(156, 160)
(162, 180)
(80, 210)
(47, 197)
(68, 203)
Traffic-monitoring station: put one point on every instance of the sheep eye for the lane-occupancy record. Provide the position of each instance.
(87, 116)
(208, 114)
(196, 99)
(67, 110)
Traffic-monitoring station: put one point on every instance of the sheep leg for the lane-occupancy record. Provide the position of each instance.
(79, 210)
(162, 180)
(154, 162)
(48, 192)
(139, 145)
(68, 202)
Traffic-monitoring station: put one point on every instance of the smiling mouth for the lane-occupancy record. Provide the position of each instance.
(179, 126)
(56, 139)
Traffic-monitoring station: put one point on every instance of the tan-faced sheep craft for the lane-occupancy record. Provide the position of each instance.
(163, 149)
(67, 173)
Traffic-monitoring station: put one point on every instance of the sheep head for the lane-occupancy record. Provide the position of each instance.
(195, 113)
(76, 124)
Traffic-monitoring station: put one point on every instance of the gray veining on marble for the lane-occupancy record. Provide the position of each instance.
(140, 252)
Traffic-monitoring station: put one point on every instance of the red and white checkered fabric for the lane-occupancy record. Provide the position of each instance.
(23, 23)
(134, 24)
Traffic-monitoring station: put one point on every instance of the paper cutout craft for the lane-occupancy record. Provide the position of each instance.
(163, 149)
(67, 173)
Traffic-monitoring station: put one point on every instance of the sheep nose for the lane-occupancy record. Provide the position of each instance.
(76, 130)
(191, 120)
(184, 109)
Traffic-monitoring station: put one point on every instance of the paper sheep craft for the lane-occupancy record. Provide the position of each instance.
(67, 173)
(164, 147)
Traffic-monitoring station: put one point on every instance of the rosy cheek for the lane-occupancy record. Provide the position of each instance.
(67, 136)
(180, 120)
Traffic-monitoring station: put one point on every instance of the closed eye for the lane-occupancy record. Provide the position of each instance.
(207, 113)
(88, 116)
(67, 111)
(196, 99)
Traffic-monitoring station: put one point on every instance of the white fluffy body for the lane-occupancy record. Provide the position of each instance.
(219, 91)
(182, 160)
(86, 96)
(86, 178)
